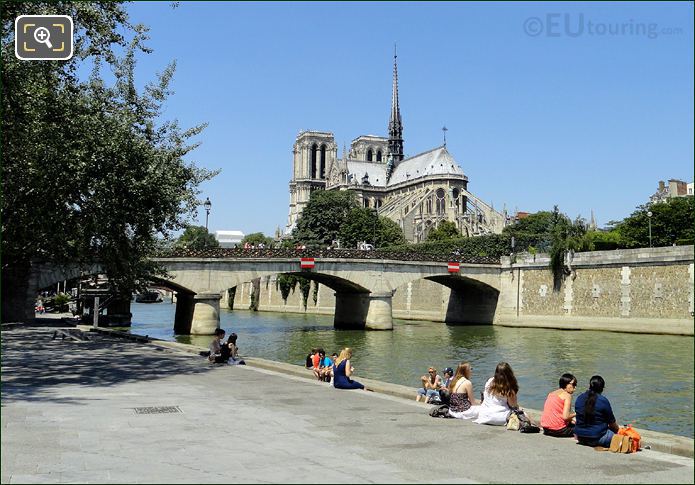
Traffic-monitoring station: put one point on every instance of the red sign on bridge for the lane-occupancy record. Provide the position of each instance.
(453, 267)
(307, 263)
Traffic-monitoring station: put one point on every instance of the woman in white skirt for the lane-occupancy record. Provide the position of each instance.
(463, 405)
(499, 397)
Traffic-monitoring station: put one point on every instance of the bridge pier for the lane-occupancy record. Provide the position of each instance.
(206, 314)
(358, 311)
(379, 316)
(184, 313)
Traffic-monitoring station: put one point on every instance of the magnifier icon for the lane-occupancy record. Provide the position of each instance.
(43, 36)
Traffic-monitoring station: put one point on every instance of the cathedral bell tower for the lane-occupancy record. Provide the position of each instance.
(395, 123)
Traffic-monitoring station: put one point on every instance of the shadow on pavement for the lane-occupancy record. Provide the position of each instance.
(34, 365)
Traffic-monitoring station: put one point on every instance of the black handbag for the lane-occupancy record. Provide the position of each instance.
(525, 423)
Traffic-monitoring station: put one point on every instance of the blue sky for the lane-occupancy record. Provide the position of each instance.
(546, 103)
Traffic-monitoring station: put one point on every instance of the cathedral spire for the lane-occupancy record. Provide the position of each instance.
(395, 123)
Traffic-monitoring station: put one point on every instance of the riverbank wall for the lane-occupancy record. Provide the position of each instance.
(646, 290)
(631, 290)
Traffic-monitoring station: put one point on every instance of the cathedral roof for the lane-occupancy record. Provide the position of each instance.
(437, 161)
(375, 171)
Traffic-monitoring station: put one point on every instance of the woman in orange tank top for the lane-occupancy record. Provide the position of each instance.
(557, 419)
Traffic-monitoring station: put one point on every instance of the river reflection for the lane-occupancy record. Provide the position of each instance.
(649, 378)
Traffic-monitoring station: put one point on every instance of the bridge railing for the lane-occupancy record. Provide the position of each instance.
(284, 253)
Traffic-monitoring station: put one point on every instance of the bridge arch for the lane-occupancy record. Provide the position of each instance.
(471, 301)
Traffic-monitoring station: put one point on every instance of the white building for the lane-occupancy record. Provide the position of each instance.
(228, 239)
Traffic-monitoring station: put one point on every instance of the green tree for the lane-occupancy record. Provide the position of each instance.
(389, 233)
(256, 238)
(552, 232)
(445, 230)
(601, 240)
(196, 237)
(537, 229)
(323, 216)
(89, 172)
(362, 224)
(671, 221)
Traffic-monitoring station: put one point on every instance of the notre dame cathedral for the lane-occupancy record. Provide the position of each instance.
(416, 192)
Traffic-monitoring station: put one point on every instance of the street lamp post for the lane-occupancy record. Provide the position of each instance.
(649, 218)
(208, 205)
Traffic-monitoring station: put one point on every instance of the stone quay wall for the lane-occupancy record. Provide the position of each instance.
(631, 290)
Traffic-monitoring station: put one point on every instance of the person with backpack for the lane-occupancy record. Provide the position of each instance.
(557, 419)
(596, 423)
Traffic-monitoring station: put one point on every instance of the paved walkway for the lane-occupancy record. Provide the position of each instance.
(69, 415)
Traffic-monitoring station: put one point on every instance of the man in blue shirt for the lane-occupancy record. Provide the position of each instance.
(323, 372)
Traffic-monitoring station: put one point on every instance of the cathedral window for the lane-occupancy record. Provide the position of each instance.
(323, 162)
(370, 155)
(378, 156)
(441, 201)
(314, 150)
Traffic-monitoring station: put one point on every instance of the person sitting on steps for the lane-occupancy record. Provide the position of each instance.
(342, 371)
(216, 348)
(431, 383)
(323, 371)
(231, 351)
(557, 419)
(596, 423)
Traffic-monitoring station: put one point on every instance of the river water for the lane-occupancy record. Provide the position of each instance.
(649, 378)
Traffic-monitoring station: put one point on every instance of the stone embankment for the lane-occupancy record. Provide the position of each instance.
(109, 410)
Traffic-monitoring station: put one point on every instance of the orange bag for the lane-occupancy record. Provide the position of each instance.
(632, 433)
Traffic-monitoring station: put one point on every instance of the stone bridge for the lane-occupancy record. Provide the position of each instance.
(647, 290)
(363, 287)
(363, 281)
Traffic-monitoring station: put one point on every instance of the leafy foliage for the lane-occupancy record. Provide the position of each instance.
(671, 222)
(286, 283)
(196, 237)
(89, 173)
(257, 237)
(334, 215)
(362, 224)
(323, 217)
(445, 230)
(494, 245)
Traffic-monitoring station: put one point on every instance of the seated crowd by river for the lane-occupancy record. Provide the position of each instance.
(336, 370)
(593, 423)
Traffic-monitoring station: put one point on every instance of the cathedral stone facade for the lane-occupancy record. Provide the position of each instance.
(416, 192)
